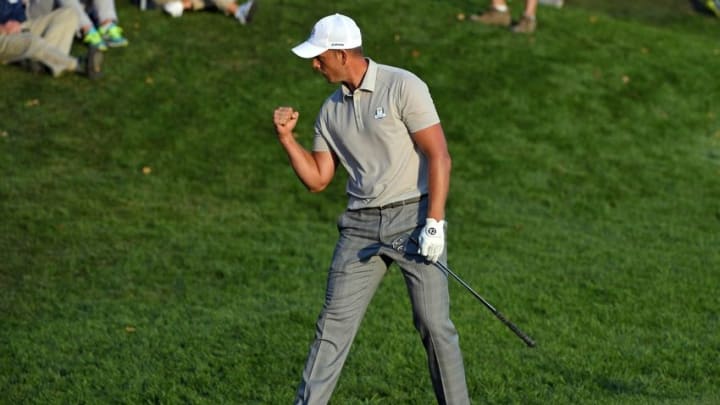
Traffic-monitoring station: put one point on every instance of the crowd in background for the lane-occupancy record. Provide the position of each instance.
(38, 34)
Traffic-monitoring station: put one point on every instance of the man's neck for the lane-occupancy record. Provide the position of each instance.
(356, 73)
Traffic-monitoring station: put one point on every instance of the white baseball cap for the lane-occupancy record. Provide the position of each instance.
(332, 32)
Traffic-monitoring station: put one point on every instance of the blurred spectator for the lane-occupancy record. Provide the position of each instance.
(44, 42)
(499, 14)
(554, 3)
(107, 34)
(243, 12)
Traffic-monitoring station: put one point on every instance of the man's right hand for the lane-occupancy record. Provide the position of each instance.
(285, 119)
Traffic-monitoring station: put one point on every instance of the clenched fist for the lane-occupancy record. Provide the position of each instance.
(285, 119)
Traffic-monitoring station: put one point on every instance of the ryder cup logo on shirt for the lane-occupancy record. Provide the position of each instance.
(379, 113)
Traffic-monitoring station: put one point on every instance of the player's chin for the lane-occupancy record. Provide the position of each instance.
(329, 78)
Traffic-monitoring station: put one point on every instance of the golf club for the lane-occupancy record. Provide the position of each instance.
(525, 338)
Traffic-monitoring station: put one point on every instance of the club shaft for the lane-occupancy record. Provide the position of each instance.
(525, 338)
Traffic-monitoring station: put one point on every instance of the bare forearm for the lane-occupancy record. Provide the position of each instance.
(314, 169)
(439, 186)
(304, 164)
(431, 141)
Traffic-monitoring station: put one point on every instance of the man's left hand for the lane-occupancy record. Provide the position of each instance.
(432, 239)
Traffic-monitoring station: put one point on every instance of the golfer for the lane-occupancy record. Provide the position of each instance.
(382, 127)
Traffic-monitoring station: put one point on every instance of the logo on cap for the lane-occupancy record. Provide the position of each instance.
(332, 32)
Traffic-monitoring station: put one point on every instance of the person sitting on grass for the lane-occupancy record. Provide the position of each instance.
(43, 43)
(106, 34)
(499, 14)
(242, 12)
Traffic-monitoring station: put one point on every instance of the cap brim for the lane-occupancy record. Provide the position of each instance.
(307, 50)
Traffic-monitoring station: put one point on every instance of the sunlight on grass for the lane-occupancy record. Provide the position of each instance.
(157, 248)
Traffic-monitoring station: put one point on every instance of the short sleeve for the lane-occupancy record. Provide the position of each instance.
(319, 142)
(416, 105)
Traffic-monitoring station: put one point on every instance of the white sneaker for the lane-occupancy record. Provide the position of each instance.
(174, 8)
(245, 11)
(554, 3)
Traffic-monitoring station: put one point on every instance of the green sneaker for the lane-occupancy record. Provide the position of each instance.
(714, 6)
(112, 34)
(95, 40)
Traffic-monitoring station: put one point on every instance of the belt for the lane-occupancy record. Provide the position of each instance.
(396, 204)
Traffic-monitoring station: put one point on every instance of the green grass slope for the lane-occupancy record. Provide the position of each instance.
(155, 246)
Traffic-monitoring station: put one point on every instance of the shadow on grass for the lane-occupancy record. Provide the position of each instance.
(650, 11)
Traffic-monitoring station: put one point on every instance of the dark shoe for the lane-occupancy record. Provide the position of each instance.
(33, 66)
(91, 64)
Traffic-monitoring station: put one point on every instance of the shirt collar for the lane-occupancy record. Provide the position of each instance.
(368, 83)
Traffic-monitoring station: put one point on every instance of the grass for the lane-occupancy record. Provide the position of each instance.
(155, 246)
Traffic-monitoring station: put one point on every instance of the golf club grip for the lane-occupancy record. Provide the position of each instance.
(525, 338)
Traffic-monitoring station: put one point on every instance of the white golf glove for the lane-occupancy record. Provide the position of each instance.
(432, 239)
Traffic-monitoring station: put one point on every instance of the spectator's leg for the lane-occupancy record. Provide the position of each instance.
(106, 11)
(85, 23)
(18, 47)
(57, 29)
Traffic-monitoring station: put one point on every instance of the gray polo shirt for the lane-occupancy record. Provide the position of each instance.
(370, 130)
